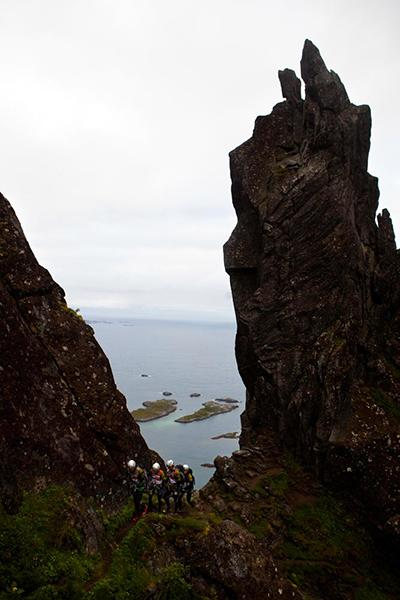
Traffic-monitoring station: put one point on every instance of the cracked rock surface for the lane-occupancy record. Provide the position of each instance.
(62, 419)
(315, 284)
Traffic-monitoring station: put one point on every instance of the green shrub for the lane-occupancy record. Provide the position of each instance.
(41, 554)
(173, 584)
(370, 592)
(114, 522)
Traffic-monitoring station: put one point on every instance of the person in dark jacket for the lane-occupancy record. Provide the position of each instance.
(138, 483)
(175, 481)
(188, 483)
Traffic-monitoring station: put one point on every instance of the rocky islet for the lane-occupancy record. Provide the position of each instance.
(154, 409)
(230, 435)
(209, 409)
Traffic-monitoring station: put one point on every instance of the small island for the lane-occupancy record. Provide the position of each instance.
(231, 435)
(229, 400)
(209, 409)
(154, 409)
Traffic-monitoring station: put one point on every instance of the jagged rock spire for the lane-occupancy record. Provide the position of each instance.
(322, 85)
(291, 85)
(316, 288)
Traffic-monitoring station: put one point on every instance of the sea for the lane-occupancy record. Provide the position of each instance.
(181, 358)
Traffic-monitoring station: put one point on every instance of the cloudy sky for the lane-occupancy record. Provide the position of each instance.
(117, 117)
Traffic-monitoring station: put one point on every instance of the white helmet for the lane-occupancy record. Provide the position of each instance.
(156, 467)
(131, 464)
(170, 463)
(185, 467)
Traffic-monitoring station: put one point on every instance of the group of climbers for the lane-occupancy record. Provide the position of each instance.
(161, 486)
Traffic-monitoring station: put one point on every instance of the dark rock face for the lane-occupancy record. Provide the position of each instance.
(315, 284)
(62, 419)
(230, 556)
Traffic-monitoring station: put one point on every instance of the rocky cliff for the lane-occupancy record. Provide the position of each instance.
(62, 419)
(315, 287)
(315, 283)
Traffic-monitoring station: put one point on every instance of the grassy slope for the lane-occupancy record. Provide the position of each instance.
(316, 542)
(42, 555)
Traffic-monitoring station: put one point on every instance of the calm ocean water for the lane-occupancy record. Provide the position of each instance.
(181, 358)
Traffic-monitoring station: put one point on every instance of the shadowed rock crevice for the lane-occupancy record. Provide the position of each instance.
(315, 285)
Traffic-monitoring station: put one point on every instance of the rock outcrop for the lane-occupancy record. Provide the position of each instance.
(316, 290)
(62, 419)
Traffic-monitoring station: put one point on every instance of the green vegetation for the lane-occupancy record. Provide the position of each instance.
(127, 576)
(370, 592)
(260, 527)
(262, 487)
(42, 555)
(279, 483)
(74, 312)
(154, 409)
(272, 485)
(318, 545)
(114, 523)
(209, 409)
(385, 401)
(185, 526)
(322, 540)
(269, 490)
(320, 533)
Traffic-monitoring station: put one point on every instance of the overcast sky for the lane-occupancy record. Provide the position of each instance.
(117, 118)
